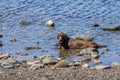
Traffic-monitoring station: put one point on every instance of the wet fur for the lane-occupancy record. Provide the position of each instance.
(66, 42)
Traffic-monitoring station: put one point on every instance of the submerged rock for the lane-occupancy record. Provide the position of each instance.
(90, 51)
(13, 40)
(61, 63)
(48, 59)
(30, 48)
(50, 23)
(1, 44)
(116, 28)
(83, 37)
(25, 22)
(1, 35)
(96, 25)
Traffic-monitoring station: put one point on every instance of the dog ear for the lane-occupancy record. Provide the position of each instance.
(65, 36)
(58, 35)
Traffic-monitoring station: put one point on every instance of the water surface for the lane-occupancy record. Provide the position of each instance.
(70, 16)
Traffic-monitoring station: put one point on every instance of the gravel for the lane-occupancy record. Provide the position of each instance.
(69, 73)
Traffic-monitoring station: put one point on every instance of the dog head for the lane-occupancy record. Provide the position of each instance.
(62, 37)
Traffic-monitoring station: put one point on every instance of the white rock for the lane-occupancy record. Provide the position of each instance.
(98, 67)
(85, 66)
(36, 66)
(50, 23)
(31, 63)
(7, 65)
(5, 56)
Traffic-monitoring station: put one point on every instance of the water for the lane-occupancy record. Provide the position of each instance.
(70, 16)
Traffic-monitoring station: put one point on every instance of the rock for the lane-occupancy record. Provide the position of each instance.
(7, 65)
(1, 44)
(50, 23)
(1, 35)
(115, 64)
(31, 63)
(61, 64)
(25, 54)
(98, 67)
(83, 37)
(96, 61)
(116, 28)
(77, 63)
(94, 54)
(90, 51)
(48, 59)
(4, 56)
(30, 48)
(9, 60)
(13, 40)
(36, 66)
(85, 66)
(25, 22)
(33, 57)
(96, 25)
(86, 60)
(106, 49)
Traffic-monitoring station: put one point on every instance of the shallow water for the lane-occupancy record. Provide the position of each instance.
(70, 16)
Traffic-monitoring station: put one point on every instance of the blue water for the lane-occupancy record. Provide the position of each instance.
(70, 16)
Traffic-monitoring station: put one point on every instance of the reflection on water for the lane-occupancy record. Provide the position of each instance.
(66, 53)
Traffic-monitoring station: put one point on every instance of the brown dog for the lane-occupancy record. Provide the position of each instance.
(66, 42)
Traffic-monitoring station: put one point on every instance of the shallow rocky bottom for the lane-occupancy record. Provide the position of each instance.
(69, 73)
